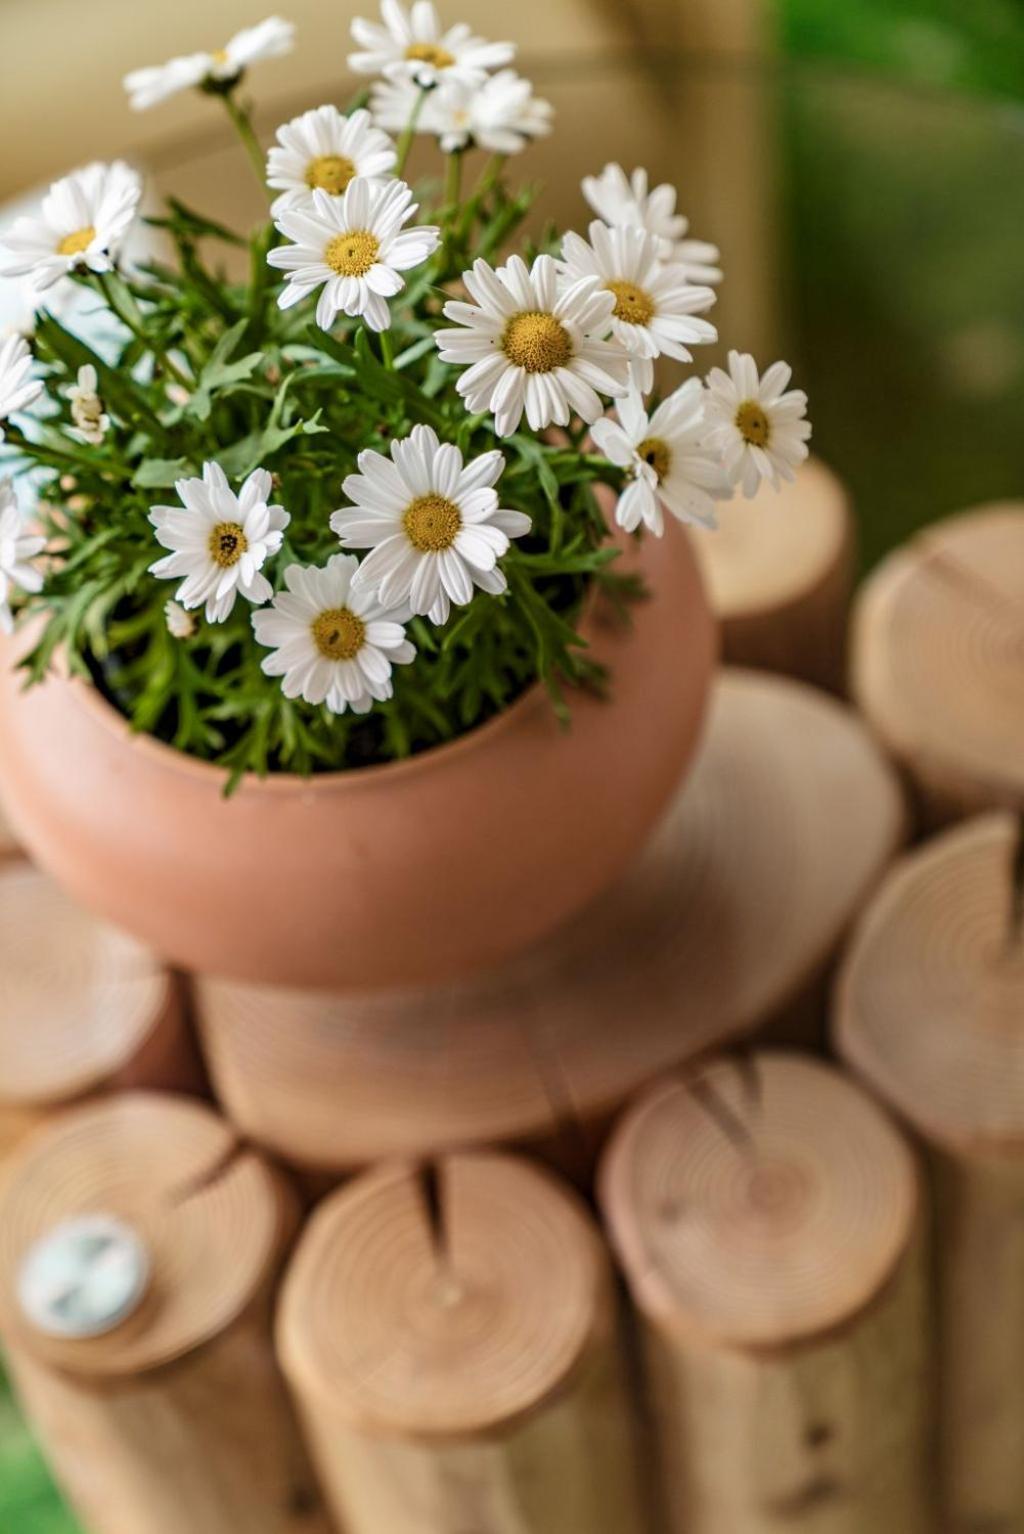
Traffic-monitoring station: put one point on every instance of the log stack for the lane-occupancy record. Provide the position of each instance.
(930, 1012)
(448, 1353)
(176, 1418)
(729, 919)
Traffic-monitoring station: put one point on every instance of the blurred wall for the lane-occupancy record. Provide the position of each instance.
(663, 83)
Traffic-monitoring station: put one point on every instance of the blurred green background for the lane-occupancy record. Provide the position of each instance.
(902, 126)
(904, 162)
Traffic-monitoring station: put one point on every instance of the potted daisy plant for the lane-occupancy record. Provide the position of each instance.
(345, 556)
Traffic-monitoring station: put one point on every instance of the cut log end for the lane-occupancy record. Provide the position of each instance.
(447, 1316)
(938, 649)
(78, 1000)
(779, 574)
(758, 1204)
(209, 1213)
(735, 907)
(930, 999)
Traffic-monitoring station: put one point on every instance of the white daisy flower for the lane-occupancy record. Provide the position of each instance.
(324, 149)
(17, 389)
(180, 624)
(17, 550)
(219, 542)
(91, 421)
(354, 247)
(331, 641)
(624, 202)
(268, 40)
(82, 222)
(433, 524)
(757, 427)
(412, 45)
(528, 346)
(502, 115)
(656, 309)
(666, 462)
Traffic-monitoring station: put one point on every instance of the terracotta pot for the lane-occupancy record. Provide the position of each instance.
(411, 872)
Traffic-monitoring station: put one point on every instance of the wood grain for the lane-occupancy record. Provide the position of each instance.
(937, 656)
(766, 1218)
(455, 1358)
(779, 573)
(177, 1419)
(730, 915)
(930, 1011)
(83, 1008)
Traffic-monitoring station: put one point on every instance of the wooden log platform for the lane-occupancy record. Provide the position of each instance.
(177, 1418)
(731, 914)
(937, 657)
(84, 1009)
(450, 1340)
(930, 1011)
(766, 1216)
(779, 573)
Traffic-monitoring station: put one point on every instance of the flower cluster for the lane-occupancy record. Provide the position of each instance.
(387, 382)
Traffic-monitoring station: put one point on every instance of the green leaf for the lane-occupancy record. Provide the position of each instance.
(189, 224)
(253, 451)
(158, 473)
(219, 373)
(387, 385)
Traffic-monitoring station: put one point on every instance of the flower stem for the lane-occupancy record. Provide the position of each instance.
(242, 123)
(491, 174)
(387, 354)
(120, 300)
(453, 182)
(405, 142)
(487, 181)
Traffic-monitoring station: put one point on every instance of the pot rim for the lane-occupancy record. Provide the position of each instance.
(116, 724)
(342, 779)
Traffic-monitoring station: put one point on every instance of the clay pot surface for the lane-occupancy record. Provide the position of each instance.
(412, 872)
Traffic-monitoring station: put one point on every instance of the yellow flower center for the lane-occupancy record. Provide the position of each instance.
(220, 57)
(432, 523)
(74, 244)
(753, 424)
(632, 304)
(352, 254)
(338, 634)
(658, 454)
(332, 172)
(536, 341)
(227, 544)
(430, 53)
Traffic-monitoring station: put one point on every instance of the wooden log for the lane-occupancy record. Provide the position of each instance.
(731, 915)
(451, 1344)
(8, 841)
(779, 573)
(930, 1010)
(83, 1008)
(936, 661)
(177, 1418)
(766, 1218)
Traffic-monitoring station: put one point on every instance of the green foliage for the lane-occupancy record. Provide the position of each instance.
(212, 368)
